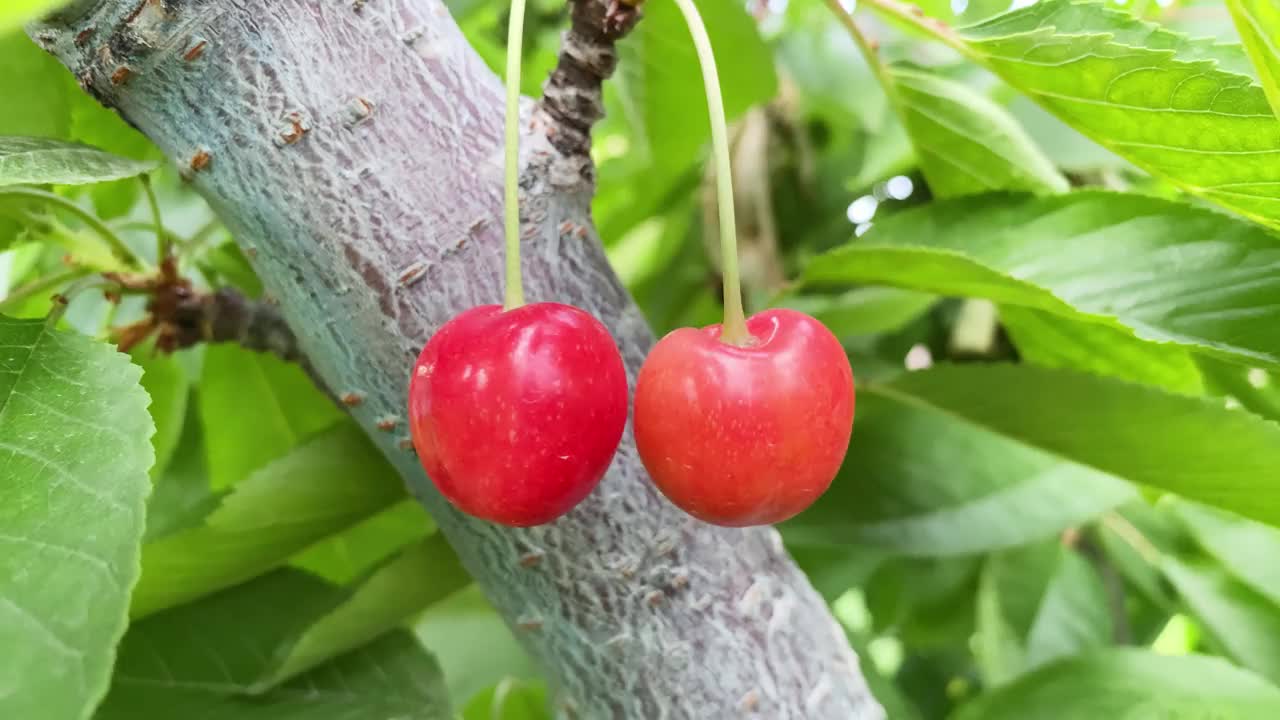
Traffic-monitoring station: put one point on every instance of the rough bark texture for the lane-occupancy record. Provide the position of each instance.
(354, 148)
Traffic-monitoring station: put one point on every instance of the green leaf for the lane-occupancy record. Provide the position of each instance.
(45, 161)
(966, 143)
(255, 408)
(326, 485)
(1167, 271)
(1247, 549)
(181, 497)
(927, 602)
(345, 557)
(998, 652)
(229, 264)
(886, 690)
(1182, 109)
(1254, 388)
(832, 569)
(97, 126)
(1194, 447)
(1036, 604)
(1067, 149)
(474, 644)
(1073, 615)
(1243, 622)
(966, 490)
(417, 577)
(206, 659)
(16, 12)
(75, 449)
(165, 380)
(1130, 684)
(1060, 342)
(662, 84)
(510, 699)
(864, 311)
(1259, 24)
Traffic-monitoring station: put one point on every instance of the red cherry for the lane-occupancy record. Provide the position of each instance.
(516, 414)
(745, 435)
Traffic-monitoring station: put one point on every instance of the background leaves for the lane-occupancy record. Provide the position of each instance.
(327, 485)
(968, 490)
(209, 657)
(1167, 271)
(1130, 683)
(968, 144)
(1134, 432)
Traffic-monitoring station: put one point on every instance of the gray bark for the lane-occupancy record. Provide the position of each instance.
(354, 147)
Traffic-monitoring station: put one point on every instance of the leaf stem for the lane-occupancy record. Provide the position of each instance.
(194, 245)
(865, 46)
(914, 16)
(163, 246)
(118, 246)
(1132, 536)
(734, 330)
(39, 285)
(515, 44)
(64, 298)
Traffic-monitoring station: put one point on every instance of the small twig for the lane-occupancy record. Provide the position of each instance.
(62, 300)
(42, 285)
(1133, 537)
(572, 96)
(1113, 585)
(227, 316)
(146, 226)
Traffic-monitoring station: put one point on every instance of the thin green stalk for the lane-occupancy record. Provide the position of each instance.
(64, 298)
(41, 285)
(515, 44)
(865, 46)
(118, 246)
(914, 16)
(163, 247)
(148, 226)
(734, 330)
(195, 244)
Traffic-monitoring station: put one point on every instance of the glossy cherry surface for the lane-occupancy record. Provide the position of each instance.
(745, 435)
(516, 414)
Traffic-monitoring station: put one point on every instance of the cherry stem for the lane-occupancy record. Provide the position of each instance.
(734, 330)
(515, 43)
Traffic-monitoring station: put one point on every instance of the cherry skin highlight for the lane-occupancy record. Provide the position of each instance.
(747, 435)
(516, 414)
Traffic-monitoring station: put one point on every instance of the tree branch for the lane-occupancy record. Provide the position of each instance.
(357, 150)
(227, 316)
(572, 97)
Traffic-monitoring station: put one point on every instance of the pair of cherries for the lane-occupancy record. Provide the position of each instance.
(516, 410)
(516, 414)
